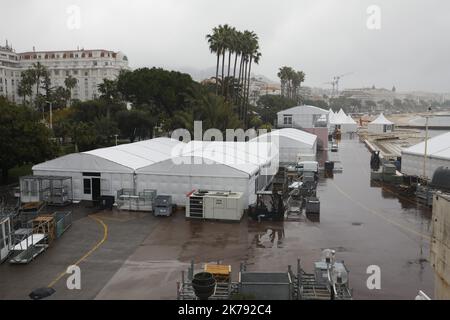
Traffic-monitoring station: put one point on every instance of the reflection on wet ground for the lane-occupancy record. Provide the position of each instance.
(366, 224)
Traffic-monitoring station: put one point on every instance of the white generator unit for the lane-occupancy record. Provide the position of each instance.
(218, 205)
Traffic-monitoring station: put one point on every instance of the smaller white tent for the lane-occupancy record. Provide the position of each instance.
(438, 154)
(343, 122)
(381, 125)
(293, 144)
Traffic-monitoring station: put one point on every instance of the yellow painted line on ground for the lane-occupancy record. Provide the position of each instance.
(105, 236)
(398, 224)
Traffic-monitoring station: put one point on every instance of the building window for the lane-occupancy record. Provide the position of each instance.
(87, 186)
(86, 73)
(287, 119)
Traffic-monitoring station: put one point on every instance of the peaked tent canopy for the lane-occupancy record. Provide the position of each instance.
(381, 119)
(380, 125)
(344, 122)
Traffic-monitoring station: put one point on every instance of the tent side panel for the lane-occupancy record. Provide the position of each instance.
(179, 185)
(413, 165)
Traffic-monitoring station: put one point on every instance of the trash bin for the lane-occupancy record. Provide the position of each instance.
(107, 202)
(329, 165)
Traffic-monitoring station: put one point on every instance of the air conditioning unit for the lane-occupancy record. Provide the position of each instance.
(218, 205)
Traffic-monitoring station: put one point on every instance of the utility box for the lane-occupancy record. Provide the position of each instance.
(389, 169)
(220, 205)
(265, 285)
(312, 205)
(163, 205)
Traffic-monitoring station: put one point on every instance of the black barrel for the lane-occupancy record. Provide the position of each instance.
(329, 165)
(204, 285)
(107, 202)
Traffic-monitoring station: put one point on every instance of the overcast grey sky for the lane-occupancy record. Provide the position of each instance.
(411, 50)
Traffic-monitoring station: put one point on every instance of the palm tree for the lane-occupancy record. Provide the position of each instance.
(237, 49)
(254, 56)
(108, 93)
(214, 46)
(226, 37)
(70, 83)
(25, 85)
(36, 73)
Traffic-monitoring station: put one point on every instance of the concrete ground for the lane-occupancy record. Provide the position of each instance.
(142, 256)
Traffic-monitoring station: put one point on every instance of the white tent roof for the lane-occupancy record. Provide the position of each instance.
(290, 133)
(304, 110)
(438, 147)
(342, 118)
(138, 154)
(226, 159)
(381, 120)
(81, 162)
(351, 120)
(331, 115)
(122, 158)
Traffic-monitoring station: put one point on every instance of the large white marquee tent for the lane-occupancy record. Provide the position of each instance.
(169, 166)
(293, 144)
(438, 154)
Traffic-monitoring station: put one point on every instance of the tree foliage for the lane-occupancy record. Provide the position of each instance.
(24, 139)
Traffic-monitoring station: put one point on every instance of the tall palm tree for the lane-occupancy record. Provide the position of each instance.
(214, 46)
(254, 56)
(25, 86)
(37, 72)
(237, 49)
(226, 37)
(70, 83)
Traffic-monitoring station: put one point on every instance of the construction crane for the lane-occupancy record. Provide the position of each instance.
(337, 78)
(335, 83)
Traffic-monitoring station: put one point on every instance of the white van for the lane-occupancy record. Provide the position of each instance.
(308, 166)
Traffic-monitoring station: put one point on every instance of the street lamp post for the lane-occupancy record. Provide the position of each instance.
(51, 114)
(426, 145)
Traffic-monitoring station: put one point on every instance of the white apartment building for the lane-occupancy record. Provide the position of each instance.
(89, 67)
(9, 72)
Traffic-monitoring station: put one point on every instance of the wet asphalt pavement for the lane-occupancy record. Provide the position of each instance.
(364, 224)
(143, 256)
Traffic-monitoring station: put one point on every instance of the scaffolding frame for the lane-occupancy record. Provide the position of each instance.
(129, 199)
(53, 190)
